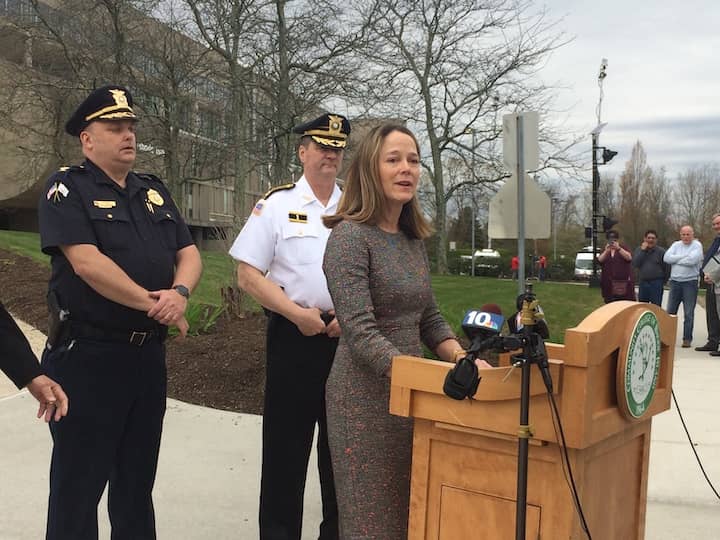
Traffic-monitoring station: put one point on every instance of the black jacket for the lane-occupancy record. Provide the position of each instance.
(17, 360)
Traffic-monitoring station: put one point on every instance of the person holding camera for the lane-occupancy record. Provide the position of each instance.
(616, 280)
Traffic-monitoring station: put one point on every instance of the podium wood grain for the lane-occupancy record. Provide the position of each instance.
(464, 470)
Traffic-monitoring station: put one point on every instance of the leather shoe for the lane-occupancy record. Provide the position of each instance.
(708, 347)
(715, 353)
(685, 344)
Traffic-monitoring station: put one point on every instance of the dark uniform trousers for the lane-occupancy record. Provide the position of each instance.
(711, 316)
(297, 369)
(111, 434)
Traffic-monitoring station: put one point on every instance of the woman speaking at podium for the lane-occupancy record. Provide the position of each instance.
(378, 276)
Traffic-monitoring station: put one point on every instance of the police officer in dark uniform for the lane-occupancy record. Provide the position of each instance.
(280, 252)
(123, 267)
(18, 362)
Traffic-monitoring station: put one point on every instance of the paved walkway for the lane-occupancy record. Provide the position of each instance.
(208, 478)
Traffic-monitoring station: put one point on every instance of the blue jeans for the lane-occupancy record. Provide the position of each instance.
(651, 291)
(685, 292)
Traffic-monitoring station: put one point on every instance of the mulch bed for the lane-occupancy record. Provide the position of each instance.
(224, 369)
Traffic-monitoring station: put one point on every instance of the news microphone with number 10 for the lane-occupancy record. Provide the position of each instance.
(479, 325)
(483, 323)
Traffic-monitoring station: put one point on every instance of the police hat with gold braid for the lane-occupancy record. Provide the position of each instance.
(328, 130)
(106, 103)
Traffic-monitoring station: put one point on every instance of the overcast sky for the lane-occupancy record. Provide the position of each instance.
(663, 76)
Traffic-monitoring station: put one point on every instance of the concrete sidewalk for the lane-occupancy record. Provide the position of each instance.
(208, 478)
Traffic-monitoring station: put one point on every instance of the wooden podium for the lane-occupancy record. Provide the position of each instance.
(464, 466)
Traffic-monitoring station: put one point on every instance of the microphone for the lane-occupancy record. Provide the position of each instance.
(515, 324)
(479, 326)
(483, 323)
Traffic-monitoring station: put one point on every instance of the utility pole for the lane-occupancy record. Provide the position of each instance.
(554, 201)
(472, 199)
(594, 280)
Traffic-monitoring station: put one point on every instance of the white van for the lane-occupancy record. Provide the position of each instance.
(487, 263)
(584, 263)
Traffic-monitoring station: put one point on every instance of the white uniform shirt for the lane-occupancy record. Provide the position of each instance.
(285, 238)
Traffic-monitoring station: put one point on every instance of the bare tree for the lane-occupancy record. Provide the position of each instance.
(284, 59)
(94, 42)
(636, 173)
(304, 58)
(697, 197)
(656, 210)
(450, 68)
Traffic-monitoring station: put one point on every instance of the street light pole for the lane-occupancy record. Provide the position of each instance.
(554, 226)
(594, 281)
(472, 132)
(472, 240)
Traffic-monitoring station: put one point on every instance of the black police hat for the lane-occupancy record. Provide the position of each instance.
(328, 130)
(106, 103)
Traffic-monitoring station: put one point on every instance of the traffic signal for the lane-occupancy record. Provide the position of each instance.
(607, 155)
(608, 223)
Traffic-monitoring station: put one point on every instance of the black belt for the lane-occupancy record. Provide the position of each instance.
(324, 315)
(138, 338)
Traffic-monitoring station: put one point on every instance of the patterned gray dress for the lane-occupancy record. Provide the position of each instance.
(380, 286)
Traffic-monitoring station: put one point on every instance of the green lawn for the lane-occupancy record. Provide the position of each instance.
(25, 243)
(565, 304)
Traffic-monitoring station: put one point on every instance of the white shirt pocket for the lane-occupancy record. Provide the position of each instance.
(301, 243)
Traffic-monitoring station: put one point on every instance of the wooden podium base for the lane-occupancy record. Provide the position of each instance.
(464, 482)
(464, 469)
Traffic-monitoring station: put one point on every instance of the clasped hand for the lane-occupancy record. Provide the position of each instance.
(310, 323)
(169, 309)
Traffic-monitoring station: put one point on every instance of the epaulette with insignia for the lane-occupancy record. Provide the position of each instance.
(72, 168)
(149, 177)
(278, 188)
(57, 190)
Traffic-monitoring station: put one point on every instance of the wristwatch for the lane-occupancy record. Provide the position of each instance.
(182, 290)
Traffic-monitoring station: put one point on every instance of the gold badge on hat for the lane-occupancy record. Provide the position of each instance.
(155, 198)
(335, 125)
(120, 98)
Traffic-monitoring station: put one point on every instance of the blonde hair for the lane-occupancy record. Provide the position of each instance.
(363, 199)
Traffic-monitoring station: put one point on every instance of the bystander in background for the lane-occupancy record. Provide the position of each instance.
(684, 257)
(616, 280)
(711, 315)
(652, 270)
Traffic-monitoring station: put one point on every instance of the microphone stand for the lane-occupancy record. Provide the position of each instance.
(532, 353)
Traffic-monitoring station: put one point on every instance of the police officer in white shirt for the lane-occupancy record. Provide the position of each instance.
(280, 253)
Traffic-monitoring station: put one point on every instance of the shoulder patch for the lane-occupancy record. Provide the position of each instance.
(278, 188)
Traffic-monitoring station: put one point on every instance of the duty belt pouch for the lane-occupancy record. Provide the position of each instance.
(58, 322)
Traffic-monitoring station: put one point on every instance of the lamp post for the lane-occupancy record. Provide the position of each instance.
(554, 200)
(595, 133)
(471, 131)
(472, 240)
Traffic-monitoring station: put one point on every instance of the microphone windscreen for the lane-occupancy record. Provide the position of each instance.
(491, 308)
